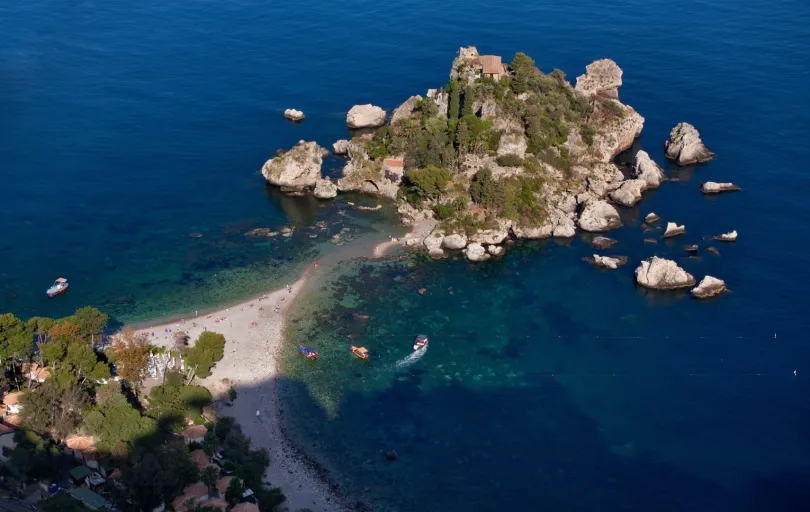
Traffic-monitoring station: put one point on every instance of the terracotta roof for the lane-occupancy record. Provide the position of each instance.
(394, 162)
(245, 507)
(85, 445)
(194, 432)
(39, 374)
(115, 474)
(200, 458)
(491, 64)
(12, 398)
(13, 419)
(193, 491)
(223, 483)
(215, 502)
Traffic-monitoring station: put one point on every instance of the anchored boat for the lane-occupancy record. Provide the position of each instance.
(59, 286)
(308, 352)
(360, 352)
(421, 342)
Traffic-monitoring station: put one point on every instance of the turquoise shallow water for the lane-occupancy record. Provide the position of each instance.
(126, 127)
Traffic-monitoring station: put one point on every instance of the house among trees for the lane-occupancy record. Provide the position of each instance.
(490, 66)
(35, 372)
(91, 500)
(12, 402)
(394, 169)
(194, 434)
(200, 458)
(83, 448)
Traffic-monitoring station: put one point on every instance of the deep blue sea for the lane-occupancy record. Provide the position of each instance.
(548, 385)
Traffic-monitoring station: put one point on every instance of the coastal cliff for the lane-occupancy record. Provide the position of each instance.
(503, 151)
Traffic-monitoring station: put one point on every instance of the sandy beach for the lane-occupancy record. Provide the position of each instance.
(419, 231)
(253, 332)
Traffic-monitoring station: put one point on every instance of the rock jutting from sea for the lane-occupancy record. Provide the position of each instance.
(502, 151)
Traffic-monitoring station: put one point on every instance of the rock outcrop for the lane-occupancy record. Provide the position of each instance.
(341, 147)
(598, 217)
(685, 147)
(602, 77)
(365, 116)
(455, 241)
(492, 236)
(709, 287)
(360, 174)
(674, 230)
(436, 253)
(476, 252)
(608, 262)
(434, 240)
(662, 274)
(629, 193)
(293, 114)
(711, 187)
(496, 250)
(731, 236)
(603, 242)
(325, 189)
(532, 232)
(512, 144)
(405, 110)
(296, 170)
(651, 218)
(463, 68)
(645, 169)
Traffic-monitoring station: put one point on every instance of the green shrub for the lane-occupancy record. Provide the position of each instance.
(587, 132)
(428, 182)
(455, 99)
(378, 146)
(232, 394)
(209, 348)
(509, 160)
(486, 191)
(171, 404)
(443, 211)
(611, 108)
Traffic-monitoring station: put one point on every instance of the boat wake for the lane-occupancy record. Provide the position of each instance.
(413, 357)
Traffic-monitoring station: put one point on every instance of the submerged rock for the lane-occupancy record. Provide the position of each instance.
(731, 236)
(340, 147)
(709, 287)
(647, 170)
(711, 187)
(714, 251)
(325, 189)
(293, 114)
(685, 147)
(297, 169)
(365, 116)
(476, 252)
(603, 242)
(662, 274)
(598, 217)
(608, 262)
(692, 249)
(674, 230)
(651, 218)
(650, 241)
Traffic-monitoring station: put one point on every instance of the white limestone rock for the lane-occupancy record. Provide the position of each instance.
(496, 250)
(455, 241)
(709, 287)
(365, 116)
(608, 262)
(602, 77)
(533, 232)
(436, 253)
(325, 189)
(651, 218)
(434, 240)
(476, 252)
(297, 169)
(341, 147)
(405, 110)
(663, 274)
(711, 187)
(294, 115)
(629, 193)
(512, 144)
(598, 217)
(673, 230)
(731, 236)
(685, 147)
(603, 242)
(491, 236)
(647, 170)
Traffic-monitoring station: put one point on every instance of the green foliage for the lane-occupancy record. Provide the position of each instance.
(443, 211)
(270, 499)
(60, 502)
(209, 477)
(247, 464)
(610, 108)
(34, 455)
(170, 404)
(232, 394)
(521, 202)
(587, 131)
(91, 322)
(429, 182)
(115, 422)
(476, 136)
(378, 146)
(557, 158)
(40, 325)
(82, 362)
(430, 144)
(233, 494)
(524, 72)
(209, 348)
(509, 160)
(487, 191)
(54, 408)
(469, 100)
(16, 339)
(455, 99)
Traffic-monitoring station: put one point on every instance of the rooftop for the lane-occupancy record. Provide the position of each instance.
(223, 483)
(491, 64)
(245, 507)
(12, 398)
(194, 432)
(200, 458)
(92, 500)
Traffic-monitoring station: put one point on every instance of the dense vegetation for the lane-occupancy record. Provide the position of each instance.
(209, 348)
(541, 108)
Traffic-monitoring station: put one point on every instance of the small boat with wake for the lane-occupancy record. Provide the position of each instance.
(59, 286)
(360, 352)
(308, 352)
(421, 342)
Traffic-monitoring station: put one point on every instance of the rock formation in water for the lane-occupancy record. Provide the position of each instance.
(476, 252)
(647, 170)
(629, 193)
(710, 187)
(598, 217)
(297, 170)
(603, 242)
(340, 147)
(293, 114)
(455, 242)
(662, 274)
(608, 262)
(685, 147)
(709, 287)
(651, 218)
(674, 230)
(731, 236)
(325, 189)
(365, 116)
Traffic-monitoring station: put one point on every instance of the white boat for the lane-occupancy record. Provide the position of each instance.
(421, 342)
(59, 286)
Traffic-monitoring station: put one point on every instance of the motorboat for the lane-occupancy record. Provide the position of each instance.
(308, 352)
(360, 352)
(421, 342)
(59, 286)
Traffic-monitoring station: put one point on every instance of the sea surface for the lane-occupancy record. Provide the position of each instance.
(129, 129)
